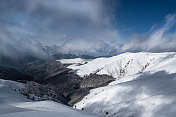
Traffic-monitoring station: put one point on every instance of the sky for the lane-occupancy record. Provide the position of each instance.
(93, 27)
(138, 16)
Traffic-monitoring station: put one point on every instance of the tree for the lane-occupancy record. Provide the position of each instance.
(33, 98)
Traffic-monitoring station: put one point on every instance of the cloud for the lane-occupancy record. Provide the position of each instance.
(76, 26)
(78, 45)
(162, 39)
(52, 22)
(90, 9)
(49, 21)
(16, 49)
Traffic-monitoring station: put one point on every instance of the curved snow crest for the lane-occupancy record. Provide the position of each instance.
(126, 64)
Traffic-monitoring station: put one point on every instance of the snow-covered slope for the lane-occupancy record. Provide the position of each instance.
(14, 104)
(145, 85)
(127, 64)
(74, 61)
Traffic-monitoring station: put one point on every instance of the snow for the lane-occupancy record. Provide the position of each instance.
(127, 64)
(139, 92)
(144, 87)
(14, 104)
(73, 61)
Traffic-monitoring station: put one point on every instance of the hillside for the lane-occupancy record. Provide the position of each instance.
(144, 87)
(127, 64)
(127, 85)
(14, 104)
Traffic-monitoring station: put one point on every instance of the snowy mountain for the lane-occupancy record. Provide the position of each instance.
(14, 104)
(144, 87)
(127, 85)
(127, 64)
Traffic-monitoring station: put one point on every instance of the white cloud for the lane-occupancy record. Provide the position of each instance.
(78, 45)
(160, 40)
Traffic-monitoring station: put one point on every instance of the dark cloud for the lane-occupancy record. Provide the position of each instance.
(16, 49)
(52, 20)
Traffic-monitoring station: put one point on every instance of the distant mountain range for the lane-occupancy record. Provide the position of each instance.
(56, 52)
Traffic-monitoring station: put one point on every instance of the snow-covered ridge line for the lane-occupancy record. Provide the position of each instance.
(122, 65)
